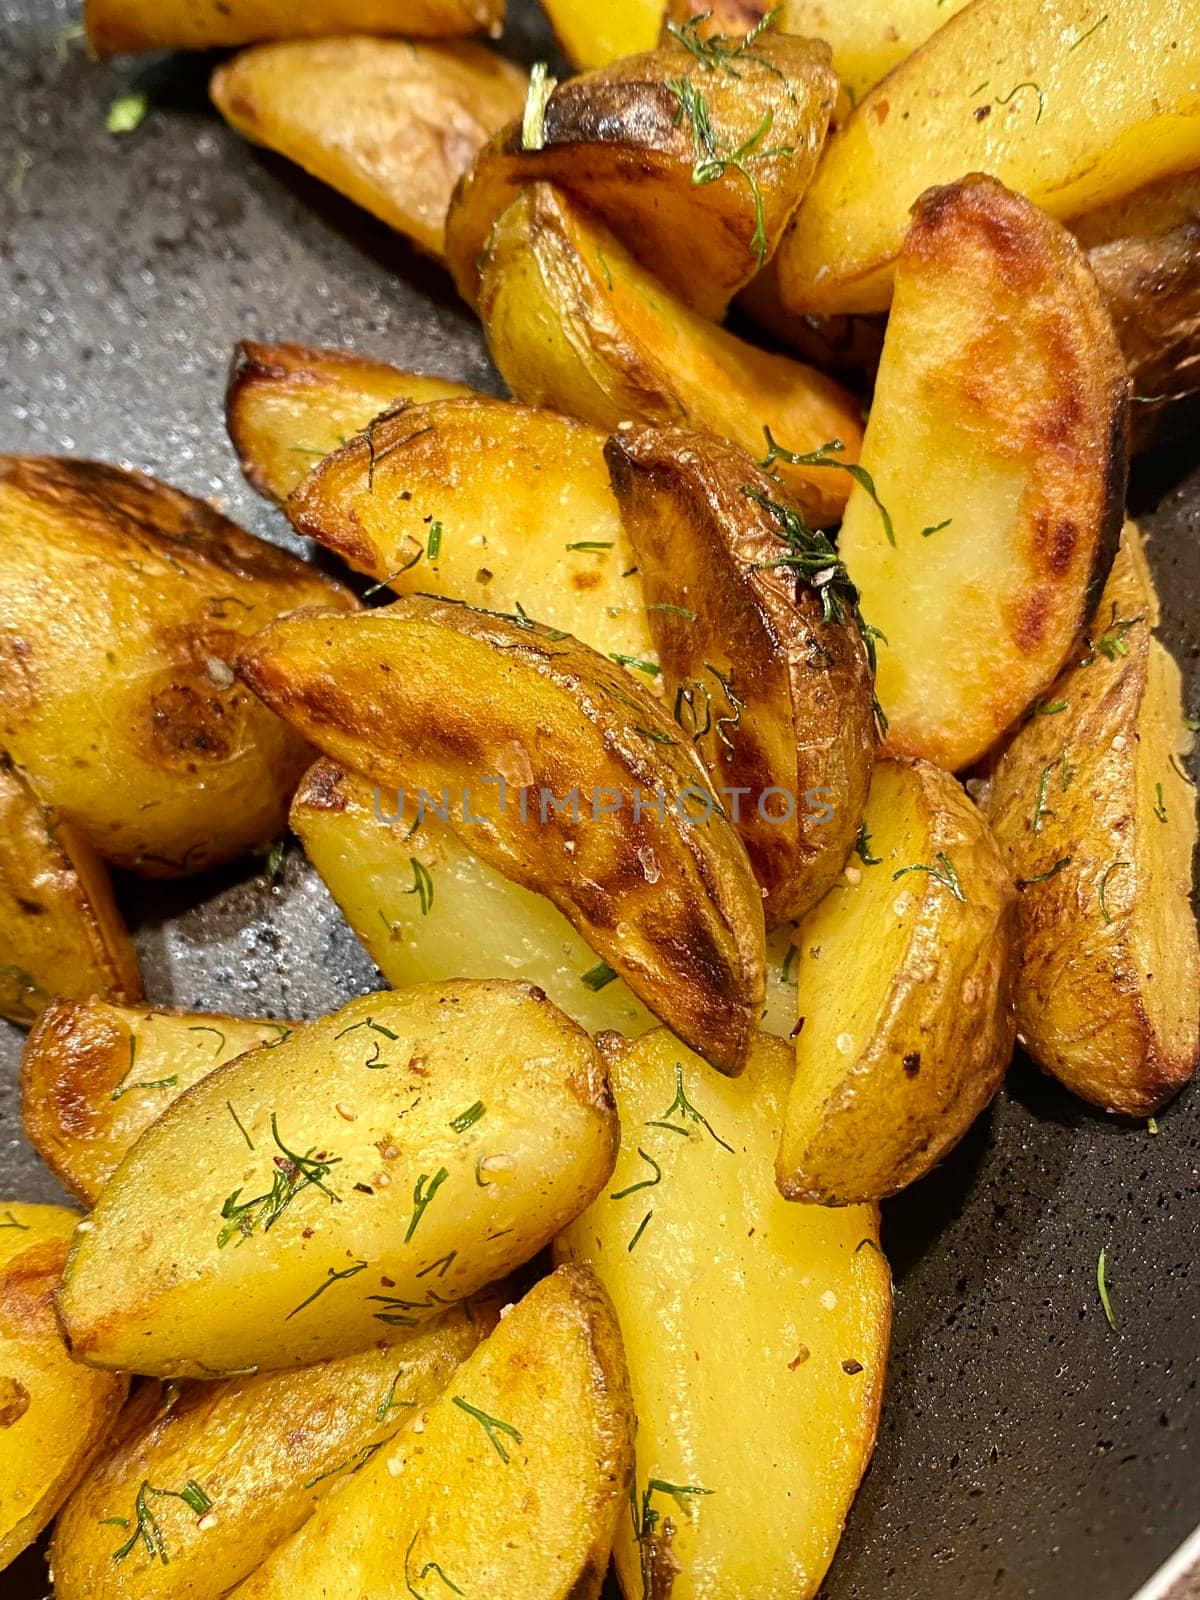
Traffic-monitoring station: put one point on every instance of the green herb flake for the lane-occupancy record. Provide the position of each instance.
(430, 1566)
(146, 1530)
(293, 1174)
(786, 965)
(239, 1125)
(1102, 1289)
(1041, 809)
(422, 1197)
(217, 1034)
(1003, 99)
(639, 1231)
(591, 545)
(127, 112)
(644, 1183)
(598, 977)
(681, 1106)
(331, 1278)
(389, 1403)
(1042, 709)
(944, 873)
(674, 611)
(533, 121)
(273, 865)
(1099, 23)
(1044, 877)
(468, 1119)
(650, 668)
(492, 1426)
(821, 458)
(1151, 1124)
(422, 885)
(862, 848)
(927, 533)
(1160, 810)
(11, 1222)
(644, 1526)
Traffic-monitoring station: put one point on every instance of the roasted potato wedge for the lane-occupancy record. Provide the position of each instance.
(848, 346)
(386, 122)
(613, 818)
(800, 1366)
(263, 1451)
(905, 978)
(119, 25)
(54, 1415)
(60, 930)
(1074, 105)
(94, 1076)
(762, 650)
(122, 603)
(594, 32)
(997, 446)
(288, 406)
(488, 502)
(575, 324)
(340, 1188)
(534, 1433)
(1097, 821)
(671, 119)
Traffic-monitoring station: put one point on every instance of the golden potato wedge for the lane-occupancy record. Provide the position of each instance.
(799, 1369)
(492, 503)
(122, 602)
(94, 1076)
(343, 1186)
(1097, 821)
(905, 979)
(119, 25)
(713, 143)
(535, 1436)
(60, 930)
(261, 1452)
(288, 406)
(594, 32)
(997, 445)
(1071, 103)
(575, 324)
(763, 651)
(54, 1415)
(613, 818)
(388, 123)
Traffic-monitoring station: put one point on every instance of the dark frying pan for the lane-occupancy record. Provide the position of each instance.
(1026, 1448)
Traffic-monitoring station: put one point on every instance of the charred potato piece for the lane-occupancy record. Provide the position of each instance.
(575, 324)
(488, 502)
(120, 25)
(1097, 821)
(613, 818)
(94, 1076)
(648, 145)
(762, 651)
(288, 406)
(800, 1366)
(594, 32)
(263, 1451)
(535, 1433)
(996, 444)
(122, 603)
(54, 1415)
(905, 976)
(342, 1187)
(1074, 105)
(388, 123)
(60, 930)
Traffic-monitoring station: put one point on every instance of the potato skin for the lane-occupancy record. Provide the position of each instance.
(114, 26)
(54, 1415)
(388, 123)
(781, 696)
(122, 604)
(1098, 827)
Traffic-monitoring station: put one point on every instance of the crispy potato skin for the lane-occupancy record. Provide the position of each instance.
(999, 426)
(623, 142)
(60, 930)
(114, 26)
(575, 324)
(1083, 131)
(388, 123)
(906, 992)
(94, 1076)
(1098, 827)
(669, 902)
(122, 604)
(180, 1274)
(780, 697)
(800, 1367)
(54, 1415)
(264, 1449)
(289, 405)
(549, 1495)
(523, 508)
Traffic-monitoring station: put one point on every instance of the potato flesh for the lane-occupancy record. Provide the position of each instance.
(119, 25)
(594, 32)
(152, 1288)
(787, 1390)
(1018, 90)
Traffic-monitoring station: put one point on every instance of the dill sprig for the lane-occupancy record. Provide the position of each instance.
(821, 458)
(293, 1174)
(492, 1426)
(718, 51)
(644, 1183)
(644, 1525)
(146, 1530)
(681, 1106)
(422, 1197)
(944, 873)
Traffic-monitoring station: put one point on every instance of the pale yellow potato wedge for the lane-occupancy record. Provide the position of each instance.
(94, 1076)
(510, 1484)
(594, 32)
(388, 123)
(1073, 103)
(492, 503)
(733, 1409)
(288, 406)
(996, 443)
(1097, 820)
(407, 1150)
(119, 25)
(54, 1415)
(261, 1452)
(575, 324)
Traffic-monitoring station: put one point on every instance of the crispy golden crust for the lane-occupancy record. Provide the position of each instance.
(115, 26)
